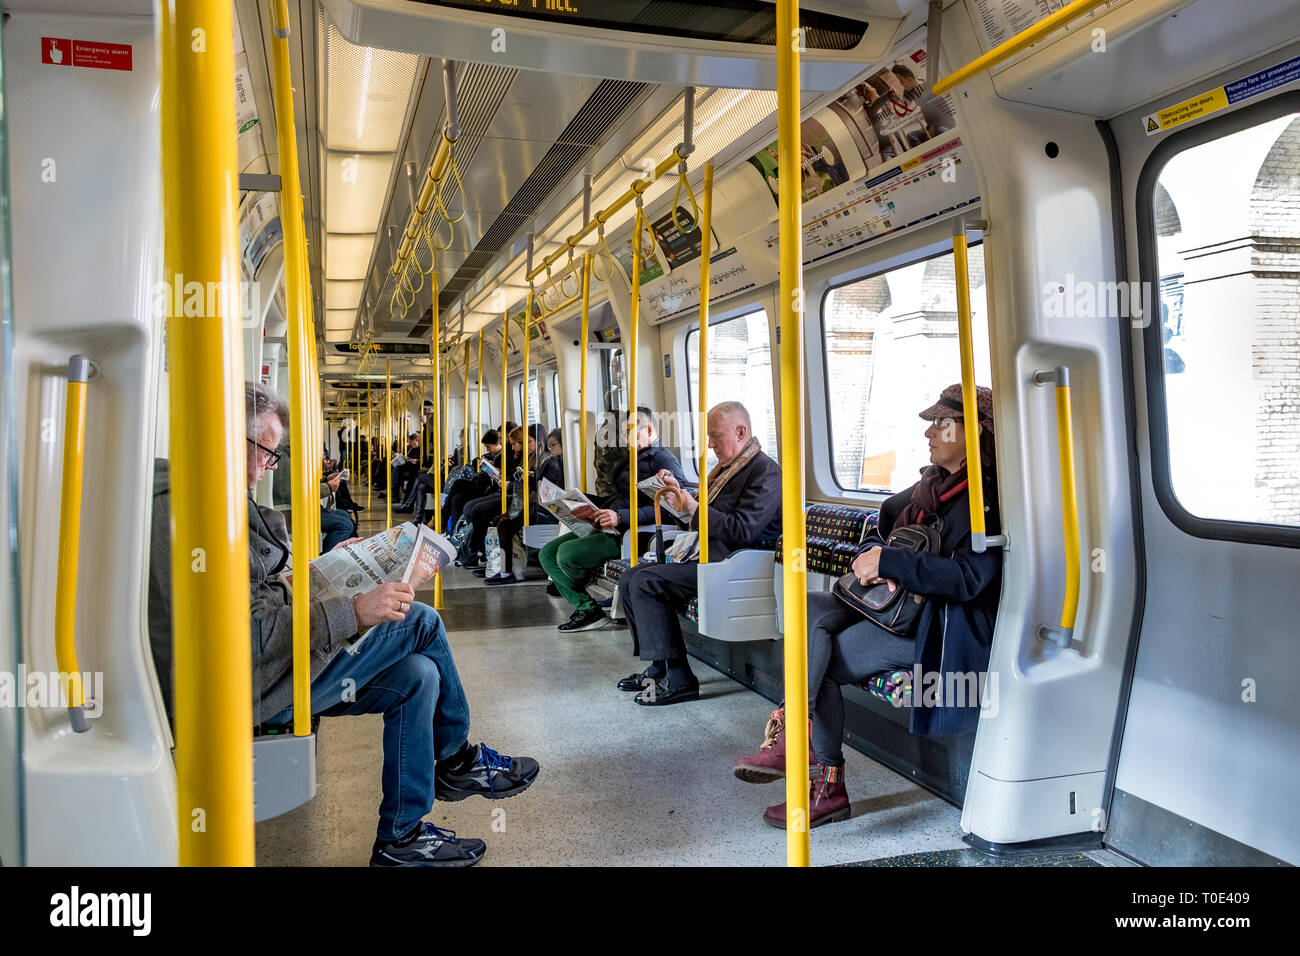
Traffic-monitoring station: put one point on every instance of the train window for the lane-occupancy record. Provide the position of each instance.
(740, 370)
(890, 347)
(613, 390)
(1224, 355)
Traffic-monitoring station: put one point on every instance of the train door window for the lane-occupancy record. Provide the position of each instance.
(1222, 217)
(613, 387)
(890, 347)
(740, 370)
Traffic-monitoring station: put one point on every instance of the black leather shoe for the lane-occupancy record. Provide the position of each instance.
(552, 590)
(635, 681)
(660, 694)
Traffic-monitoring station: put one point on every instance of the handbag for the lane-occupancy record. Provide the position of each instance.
(897, 611)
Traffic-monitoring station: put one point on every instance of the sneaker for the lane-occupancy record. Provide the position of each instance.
(433, 847)
(491, 775)
(585, 620)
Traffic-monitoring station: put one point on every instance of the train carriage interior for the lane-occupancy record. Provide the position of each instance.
(484, 260)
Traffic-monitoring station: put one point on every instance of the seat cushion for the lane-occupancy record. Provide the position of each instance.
(692, 611)
(831, 533)
(893, 687)
(615, 567)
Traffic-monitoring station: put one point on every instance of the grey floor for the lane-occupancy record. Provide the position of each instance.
(620, 785)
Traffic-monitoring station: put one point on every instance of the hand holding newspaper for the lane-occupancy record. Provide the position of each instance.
(572, 509)
(652, 486)
(409, 553)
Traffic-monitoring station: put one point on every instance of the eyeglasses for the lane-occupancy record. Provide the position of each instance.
(272, 457)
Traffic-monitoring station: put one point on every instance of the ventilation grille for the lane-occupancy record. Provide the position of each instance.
(587, 130)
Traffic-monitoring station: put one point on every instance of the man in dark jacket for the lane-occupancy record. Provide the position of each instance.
(572, 562)
(395, 660)
(744, 512)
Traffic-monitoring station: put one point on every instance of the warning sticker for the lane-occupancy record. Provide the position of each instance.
(58, 51)
(1214, 100)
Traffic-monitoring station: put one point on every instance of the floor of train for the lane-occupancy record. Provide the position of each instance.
(619, 784)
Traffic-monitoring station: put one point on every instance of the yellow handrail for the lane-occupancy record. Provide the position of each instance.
(706, 240)
(435, 336)
(303, 497)
(630, 425)
(65, 608)
(528, 428)
(794, 576)
(980, 540)
(478, 400)
(1060, 376)
(602, 217)
(582, 374)
(432, 182)
(212, 672)
(370, 446)
(388, 437)
(505, 352)
(1025, 38)
(464, 411)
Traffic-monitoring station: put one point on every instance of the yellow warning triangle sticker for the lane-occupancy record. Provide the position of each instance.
(1152, 125)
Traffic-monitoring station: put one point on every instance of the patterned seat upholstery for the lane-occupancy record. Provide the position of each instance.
(693, 610)
(893, 687)
(615, 567)
(833, 535)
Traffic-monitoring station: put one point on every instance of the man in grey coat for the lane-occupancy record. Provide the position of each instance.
(381, 652)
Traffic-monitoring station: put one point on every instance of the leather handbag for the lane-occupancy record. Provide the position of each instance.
(897, 611)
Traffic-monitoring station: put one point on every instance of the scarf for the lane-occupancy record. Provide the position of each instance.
(929, 494)
(721, 474)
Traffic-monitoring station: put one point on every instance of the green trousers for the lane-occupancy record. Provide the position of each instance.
(572, 563)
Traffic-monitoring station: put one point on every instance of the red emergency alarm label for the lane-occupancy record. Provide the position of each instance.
(58, 51)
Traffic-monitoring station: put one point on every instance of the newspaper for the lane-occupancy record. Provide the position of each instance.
(572, 509)
(409, 553)
(652, 486)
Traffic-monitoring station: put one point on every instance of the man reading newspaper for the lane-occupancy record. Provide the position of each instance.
(403, 668)
(573, 560)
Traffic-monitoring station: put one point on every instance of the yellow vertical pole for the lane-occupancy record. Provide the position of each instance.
(65, 608)
(631, 424)
(388, 433)
(439, 453)
(423, 452)
(706, 239)
(210, 611)
(304, 498)
(505, 368)
(528, 428)
(446, 419)
(370, 446)
(478, 401)
(464, 409)
(582, 374)
(794, 576)
(965, 341)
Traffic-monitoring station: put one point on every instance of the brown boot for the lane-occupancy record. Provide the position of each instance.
(769, 763)
(828, 800)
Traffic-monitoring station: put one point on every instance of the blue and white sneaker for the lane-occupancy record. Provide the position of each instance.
(490, 774)
(433, 846)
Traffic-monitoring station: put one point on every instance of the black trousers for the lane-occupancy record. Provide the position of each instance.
(651, 596)
(480, 512)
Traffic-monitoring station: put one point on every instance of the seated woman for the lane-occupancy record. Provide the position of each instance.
(540, 467)
(480, 511)
(954, 631)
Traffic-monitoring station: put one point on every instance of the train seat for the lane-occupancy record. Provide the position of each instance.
(833, 534)
(893, 687)
(540, 535)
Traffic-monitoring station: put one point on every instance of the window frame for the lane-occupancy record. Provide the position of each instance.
(1213, 529)
(920, 255)
(755, 307)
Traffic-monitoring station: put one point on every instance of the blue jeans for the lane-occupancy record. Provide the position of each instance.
(336, 524)
(405, 671)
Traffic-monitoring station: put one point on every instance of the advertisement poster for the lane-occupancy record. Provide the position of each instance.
(677, 247)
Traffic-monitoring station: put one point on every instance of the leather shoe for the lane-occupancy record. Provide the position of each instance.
(661, 694)
(634, 681)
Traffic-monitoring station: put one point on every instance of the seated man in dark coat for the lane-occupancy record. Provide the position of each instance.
(744, 512)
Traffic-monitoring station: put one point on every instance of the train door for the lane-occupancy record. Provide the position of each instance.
(1207, 771)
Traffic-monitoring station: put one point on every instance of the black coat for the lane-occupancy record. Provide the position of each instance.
(649, 462)
(747, 511)
(955, 631)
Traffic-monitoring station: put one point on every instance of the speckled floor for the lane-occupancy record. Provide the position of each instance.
(619, 785)
(971, 857)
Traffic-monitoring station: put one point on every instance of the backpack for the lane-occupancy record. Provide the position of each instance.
(896, 611)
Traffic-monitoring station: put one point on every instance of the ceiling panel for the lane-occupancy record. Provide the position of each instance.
(347, 256)
(367, 92)
(343, 295)
(355, 184)
(340, 320)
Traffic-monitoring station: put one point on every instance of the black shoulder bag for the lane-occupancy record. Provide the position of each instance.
(896, 611)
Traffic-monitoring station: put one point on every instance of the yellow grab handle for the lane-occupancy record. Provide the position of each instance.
(1069, 500)
(65, 608)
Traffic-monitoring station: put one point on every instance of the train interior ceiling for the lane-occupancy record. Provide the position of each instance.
(1130, 189)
